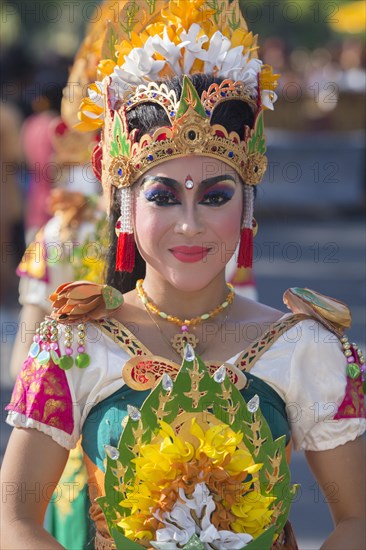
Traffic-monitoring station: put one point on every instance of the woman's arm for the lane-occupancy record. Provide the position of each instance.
(32, 467)
(340, 473)
(30, 318)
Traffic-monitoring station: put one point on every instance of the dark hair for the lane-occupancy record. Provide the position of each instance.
(233, 115)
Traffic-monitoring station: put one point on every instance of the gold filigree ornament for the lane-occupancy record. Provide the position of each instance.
(255, 168)
(180, 340)
(142, 373)
(121, 172)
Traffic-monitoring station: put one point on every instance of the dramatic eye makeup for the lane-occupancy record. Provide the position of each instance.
(218, 195)
(214, 191)
(160, 191)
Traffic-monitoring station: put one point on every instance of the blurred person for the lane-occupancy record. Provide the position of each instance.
(12, 228)
(71, 245)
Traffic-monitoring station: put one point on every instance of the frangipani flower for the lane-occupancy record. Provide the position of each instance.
(194, 40)
(268, 98)
(169, 50)
(218, 47)
(139, 65)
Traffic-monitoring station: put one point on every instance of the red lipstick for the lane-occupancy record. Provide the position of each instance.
(189, 254)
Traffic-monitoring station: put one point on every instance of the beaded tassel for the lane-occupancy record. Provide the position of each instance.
(45, 346)
(245, 254)
(125, 255)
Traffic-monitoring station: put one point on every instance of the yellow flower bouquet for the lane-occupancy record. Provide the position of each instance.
(196, 468)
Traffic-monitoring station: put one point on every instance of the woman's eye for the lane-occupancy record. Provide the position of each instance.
(216, 198)
(161, 198)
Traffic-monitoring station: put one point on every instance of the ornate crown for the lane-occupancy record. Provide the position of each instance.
(128, 156)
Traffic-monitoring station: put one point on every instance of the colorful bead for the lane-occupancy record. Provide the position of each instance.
(82, 360)
(186, 322)
(34, 349)
(43, 357)
(65, 362)
(353, 370)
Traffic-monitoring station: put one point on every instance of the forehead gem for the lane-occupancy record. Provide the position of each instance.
(189, 182)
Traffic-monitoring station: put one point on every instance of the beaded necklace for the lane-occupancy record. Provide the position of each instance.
(179, 340)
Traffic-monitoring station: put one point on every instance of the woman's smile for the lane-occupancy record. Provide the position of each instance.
(190, 254)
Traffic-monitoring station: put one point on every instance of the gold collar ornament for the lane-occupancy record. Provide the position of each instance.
(180, 340)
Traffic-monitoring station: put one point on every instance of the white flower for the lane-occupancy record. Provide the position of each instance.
(180, 525)
(219, 45)
(199, 498)
(232, 541)
(246, 71)
(97, 97)
(139, 66)
(164, 46)
(268, 98)
(193, 46)
(233, 59)
(179, 528)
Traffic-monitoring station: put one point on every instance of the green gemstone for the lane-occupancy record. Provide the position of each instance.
(112, 297)
(353, 370)
(82, 360)
(205, 316)
(66, 362)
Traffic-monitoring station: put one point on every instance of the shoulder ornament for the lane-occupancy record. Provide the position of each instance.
(336, 317)
(74, 304)
(83, 301)
(331, 313)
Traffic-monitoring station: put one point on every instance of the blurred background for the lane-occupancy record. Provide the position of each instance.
(310, 209)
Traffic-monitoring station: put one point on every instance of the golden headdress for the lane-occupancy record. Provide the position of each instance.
(151, 41)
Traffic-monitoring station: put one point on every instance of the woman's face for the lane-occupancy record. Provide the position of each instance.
(188, 234)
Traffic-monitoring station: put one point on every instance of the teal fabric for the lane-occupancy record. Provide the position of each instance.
(103, 424)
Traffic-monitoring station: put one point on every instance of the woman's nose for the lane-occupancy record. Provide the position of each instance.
(190, 223)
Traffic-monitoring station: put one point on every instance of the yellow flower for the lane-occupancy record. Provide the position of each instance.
(105, 68)
(241, 37)
(217, 442)
(242, 461)
(90, 116)
(125, 47)
(134, 527)
(253, 514)
(182, 13)
(268, 80)
(139, 499)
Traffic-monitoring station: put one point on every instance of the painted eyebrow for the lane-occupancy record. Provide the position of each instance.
(173, 184)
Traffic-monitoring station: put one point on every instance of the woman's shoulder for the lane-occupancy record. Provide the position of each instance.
(248, 311)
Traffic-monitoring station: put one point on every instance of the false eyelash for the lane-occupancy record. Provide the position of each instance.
(225, 195)
(158, 196)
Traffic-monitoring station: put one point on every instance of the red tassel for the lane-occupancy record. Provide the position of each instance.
(125, 257)
(245, 254)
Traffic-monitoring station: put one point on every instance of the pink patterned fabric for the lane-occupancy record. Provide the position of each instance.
(353, 404)
(41, 392)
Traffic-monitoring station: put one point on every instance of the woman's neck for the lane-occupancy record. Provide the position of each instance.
(183, 304)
